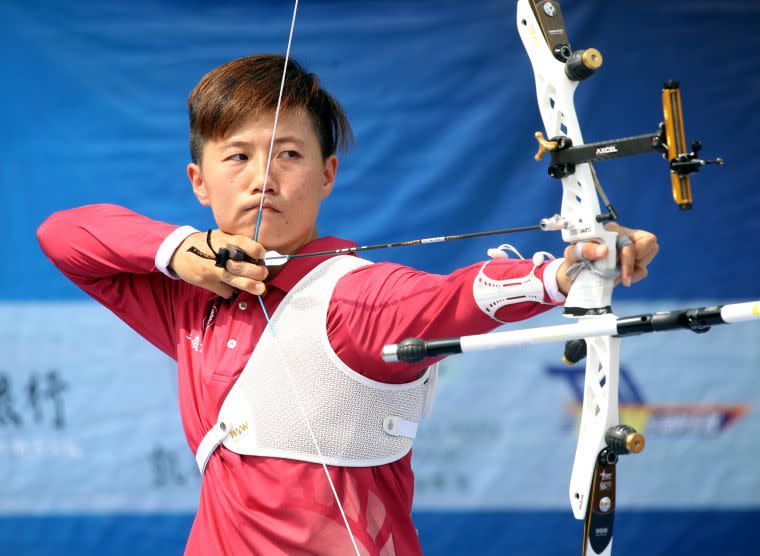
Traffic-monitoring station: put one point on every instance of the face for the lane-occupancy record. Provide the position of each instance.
(230, 179)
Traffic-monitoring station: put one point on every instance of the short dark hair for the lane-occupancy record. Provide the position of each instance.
(243, 88)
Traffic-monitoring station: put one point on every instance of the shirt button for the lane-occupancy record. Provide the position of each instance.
(231, 344)
(242, 305)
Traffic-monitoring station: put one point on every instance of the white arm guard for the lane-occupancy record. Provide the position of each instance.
(491, 294)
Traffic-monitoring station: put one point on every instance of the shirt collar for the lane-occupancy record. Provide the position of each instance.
(295, 269)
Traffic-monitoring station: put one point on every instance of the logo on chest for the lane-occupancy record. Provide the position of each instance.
(239, 431)
(195, 341)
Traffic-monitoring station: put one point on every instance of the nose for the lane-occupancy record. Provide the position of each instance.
(259, 179)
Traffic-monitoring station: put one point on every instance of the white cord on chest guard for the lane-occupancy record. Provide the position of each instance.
(491, 295)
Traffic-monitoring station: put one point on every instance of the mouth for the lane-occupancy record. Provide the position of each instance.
(255, 208)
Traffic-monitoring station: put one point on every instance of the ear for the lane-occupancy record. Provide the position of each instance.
(196, 180)
(330, 170)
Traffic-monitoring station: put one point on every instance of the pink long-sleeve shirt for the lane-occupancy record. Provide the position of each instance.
(263, 505)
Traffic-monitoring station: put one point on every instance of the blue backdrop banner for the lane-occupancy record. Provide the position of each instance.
(441, 97)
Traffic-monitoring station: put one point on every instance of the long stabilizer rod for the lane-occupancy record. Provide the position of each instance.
(698, 320)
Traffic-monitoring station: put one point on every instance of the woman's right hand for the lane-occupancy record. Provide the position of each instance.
(203, 272)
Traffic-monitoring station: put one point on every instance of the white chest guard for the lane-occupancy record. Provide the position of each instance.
(357, 421)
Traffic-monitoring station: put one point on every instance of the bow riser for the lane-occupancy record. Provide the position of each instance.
(591, 292)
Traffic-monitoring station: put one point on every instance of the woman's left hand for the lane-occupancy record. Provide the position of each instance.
(633, 258)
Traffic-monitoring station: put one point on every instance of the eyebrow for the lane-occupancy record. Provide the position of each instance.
(278, 140)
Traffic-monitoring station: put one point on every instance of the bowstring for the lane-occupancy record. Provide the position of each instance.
(293, 387)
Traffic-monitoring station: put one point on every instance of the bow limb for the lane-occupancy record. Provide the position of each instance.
(285, 365)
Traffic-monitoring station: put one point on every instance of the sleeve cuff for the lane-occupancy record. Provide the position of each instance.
(550, 281)
(169, 246)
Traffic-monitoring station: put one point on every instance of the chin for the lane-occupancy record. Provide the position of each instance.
(238, 230)
(243, 226)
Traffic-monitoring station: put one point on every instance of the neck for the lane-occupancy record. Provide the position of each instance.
(275, 270)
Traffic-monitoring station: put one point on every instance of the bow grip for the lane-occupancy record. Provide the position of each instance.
(591, 292)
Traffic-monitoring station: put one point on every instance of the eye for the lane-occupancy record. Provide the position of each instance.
(289, 154)
(239, 157)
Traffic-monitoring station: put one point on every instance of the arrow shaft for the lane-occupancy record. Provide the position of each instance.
(277, 259)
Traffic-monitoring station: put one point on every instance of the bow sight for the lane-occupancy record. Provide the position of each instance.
(669, 139)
